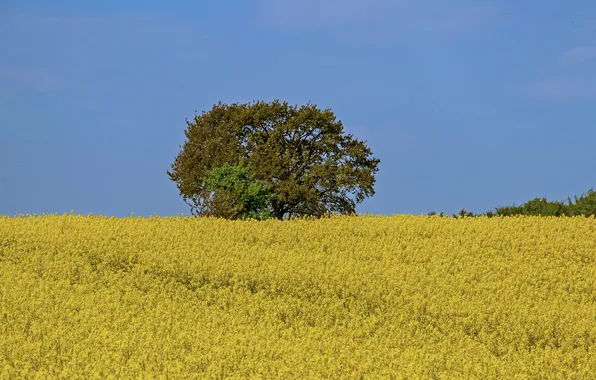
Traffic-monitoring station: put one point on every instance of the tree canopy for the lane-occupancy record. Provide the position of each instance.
(301, 154)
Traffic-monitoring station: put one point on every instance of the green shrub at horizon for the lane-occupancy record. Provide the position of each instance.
(585, 205)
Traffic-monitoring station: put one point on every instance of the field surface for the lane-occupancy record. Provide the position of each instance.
(347, 297)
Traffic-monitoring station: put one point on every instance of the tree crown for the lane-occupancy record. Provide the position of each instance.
(302, 154)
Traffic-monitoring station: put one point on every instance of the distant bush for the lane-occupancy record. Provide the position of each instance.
(537, 206)
(584, 205)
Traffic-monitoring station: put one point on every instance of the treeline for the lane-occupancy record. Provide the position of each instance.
(584, 205)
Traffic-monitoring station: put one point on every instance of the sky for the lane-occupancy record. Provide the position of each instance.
(468, 104)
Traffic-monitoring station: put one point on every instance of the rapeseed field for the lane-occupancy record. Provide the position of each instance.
(91, 297)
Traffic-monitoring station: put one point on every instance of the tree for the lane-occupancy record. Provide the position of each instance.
(301, 153)
(237, 195)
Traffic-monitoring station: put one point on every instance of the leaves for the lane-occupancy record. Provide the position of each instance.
(244, 197)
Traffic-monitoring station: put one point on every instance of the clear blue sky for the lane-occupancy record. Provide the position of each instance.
(468, 104)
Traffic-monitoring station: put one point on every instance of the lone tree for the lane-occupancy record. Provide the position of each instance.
(301, 154)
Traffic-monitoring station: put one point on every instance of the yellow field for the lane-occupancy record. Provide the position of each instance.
(347, 297)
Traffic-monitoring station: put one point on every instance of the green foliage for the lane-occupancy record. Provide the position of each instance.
(463, 213)
(537, 206)
(301, 153)
(584, 205)
(243, 197)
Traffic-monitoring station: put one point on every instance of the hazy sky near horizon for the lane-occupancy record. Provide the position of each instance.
(468, 104)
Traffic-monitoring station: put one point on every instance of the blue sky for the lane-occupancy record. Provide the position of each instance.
(467, 104)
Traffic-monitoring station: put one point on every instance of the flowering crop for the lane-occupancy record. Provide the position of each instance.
(344, 297)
